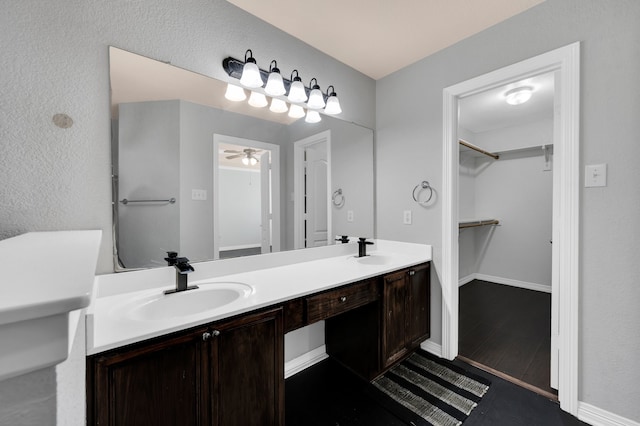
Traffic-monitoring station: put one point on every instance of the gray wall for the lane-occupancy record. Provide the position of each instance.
(409, 120)
(55, 60)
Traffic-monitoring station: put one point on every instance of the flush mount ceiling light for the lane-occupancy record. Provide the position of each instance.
(275, 85)
(316, 100)
(251, 76)
(333, 104)
(519, 95)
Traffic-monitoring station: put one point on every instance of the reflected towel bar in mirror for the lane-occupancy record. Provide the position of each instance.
(169, 200)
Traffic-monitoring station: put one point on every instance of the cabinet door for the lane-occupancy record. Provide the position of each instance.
(394, 319)
(155, 384)
(418, 305)
(248, 371)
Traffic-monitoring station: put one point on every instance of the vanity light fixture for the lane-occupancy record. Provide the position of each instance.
(316, 100)
(297, 91)
(278, 106)
(333, 104)
(519, 95)
(277, 88)
(296, 111)
(251, 77)
(313, 116)
(258, 100)
(275, 85)
(235, 93)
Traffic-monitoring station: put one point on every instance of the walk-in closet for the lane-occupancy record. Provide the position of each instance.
(505, 232)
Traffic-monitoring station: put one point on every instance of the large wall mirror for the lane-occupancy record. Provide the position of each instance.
(212, 179)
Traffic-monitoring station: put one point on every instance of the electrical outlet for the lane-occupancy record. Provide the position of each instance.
(406, 218)
(595, 175)
(199, 194)
(349, 215)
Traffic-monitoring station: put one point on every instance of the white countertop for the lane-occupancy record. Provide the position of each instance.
(272, 282)
(46, 275)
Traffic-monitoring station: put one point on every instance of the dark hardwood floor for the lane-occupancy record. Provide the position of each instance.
(327, 394)
(507, 329)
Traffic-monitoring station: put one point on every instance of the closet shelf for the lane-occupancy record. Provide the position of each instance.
(472, 223)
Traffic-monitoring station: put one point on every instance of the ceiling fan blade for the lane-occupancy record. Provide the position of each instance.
(232, 151)
(231, 157)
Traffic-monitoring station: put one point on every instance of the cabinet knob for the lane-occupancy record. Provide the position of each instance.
(412, 272)
(343, 298)
(206, 335)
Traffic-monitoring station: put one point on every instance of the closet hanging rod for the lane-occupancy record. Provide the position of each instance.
(169, 200)
(464, 225)
(480, 150)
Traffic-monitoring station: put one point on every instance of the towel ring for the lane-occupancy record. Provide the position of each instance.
(337, 198)
(423, 185)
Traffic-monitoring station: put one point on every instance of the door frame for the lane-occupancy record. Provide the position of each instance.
(565, 61)
(298, 186)
(275, 186)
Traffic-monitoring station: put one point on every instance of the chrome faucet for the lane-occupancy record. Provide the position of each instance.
(362, 246)
(182, 269)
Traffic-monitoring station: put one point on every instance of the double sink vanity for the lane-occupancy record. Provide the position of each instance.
(215, 355)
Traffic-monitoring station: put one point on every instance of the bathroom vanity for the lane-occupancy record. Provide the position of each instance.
(226, 366)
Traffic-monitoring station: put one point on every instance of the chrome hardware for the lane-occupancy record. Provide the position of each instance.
(206, 336)
(215, 333)
(343, 298)
(412, 272)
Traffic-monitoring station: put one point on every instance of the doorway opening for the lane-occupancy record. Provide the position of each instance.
(245, 197)
(564, 63)
(505, 193)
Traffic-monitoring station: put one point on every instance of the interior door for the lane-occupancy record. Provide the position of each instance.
(316, 195)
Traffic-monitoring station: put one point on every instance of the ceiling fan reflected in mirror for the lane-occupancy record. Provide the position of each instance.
(248, 155)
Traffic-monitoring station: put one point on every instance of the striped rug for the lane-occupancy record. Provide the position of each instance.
(428, 391)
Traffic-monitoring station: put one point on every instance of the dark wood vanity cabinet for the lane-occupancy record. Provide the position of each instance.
(225, 373)
(405, 312)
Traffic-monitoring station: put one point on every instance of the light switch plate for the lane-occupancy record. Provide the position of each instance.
(349, 215)
(199, 194)
(406, 218)
(595, 175)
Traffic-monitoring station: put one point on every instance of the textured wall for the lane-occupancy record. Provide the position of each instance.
(409, 120)
(56, 61)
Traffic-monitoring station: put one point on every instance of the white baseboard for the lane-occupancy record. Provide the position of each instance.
(598, 417)
(505, 281)
(432, 348)
(304, 361)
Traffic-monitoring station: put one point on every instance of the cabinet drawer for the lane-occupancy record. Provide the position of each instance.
(334, 302)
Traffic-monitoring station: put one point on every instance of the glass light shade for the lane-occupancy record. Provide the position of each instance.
(235, 93)
(312, 116)
(258, 100)
(333, 106)
(278, 105)
(251, 75)
(519, 95)
(297, 93)
(275, 86)
(316, 100)
(245, 161)
(296, 111)
(253, 160)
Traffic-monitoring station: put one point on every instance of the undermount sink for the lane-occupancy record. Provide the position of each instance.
(157, 306)
(374, 259)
